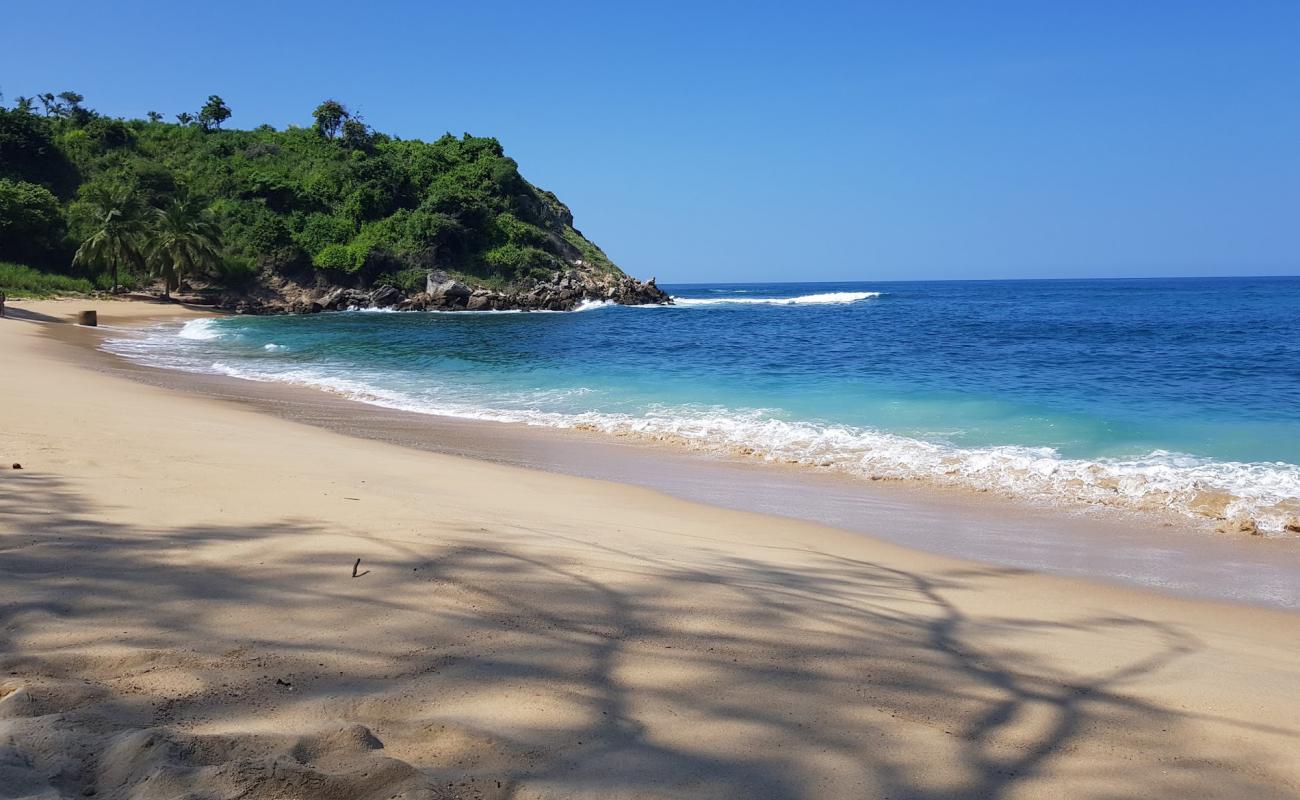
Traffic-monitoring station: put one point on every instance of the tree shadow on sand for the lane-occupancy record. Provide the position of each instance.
(530, 663)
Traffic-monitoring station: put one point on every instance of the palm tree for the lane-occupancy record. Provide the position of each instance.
(184, 240)
(119, 230)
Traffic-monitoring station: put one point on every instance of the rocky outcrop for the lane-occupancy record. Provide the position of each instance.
(386, 297)
(446, 291)
(563, 291)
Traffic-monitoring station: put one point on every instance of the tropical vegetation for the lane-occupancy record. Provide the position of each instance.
(134, 202)
(22, 281)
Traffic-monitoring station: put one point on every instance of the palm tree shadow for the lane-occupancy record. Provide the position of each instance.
(526, 662)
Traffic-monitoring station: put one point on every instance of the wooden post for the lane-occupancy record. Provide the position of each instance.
(89, 318)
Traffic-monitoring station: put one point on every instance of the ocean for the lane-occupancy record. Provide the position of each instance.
(1172, 395)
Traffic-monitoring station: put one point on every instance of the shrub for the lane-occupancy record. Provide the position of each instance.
(511, 258)
(410, 281)
(235, 272)
(128, 279)
(509, 229)
(17, 280)
(338, 257)
(321, 230)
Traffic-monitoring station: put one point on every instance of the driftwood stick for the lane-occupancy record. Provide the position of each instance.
(354, 567)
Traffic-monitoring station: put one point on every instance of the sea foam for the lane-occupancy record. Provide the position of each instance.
(825, 298)
(202, 329)
(1268, 492)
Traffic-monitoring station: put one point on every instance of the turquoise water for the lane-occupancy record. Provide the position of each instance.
(1141, 393)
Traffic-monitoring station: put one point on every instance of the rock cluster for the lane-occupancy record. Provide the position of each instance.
(563, 291)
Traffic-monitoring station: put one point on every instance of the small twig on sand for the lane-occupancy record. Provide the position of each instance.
(354, 567)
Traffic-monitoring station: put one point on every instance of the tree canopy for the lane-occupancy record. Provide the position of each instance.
(213, 113)
(329, 117)
(336, 199)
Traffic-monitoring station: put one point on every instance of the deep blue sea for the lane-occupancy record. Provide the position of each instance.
(1129, 393)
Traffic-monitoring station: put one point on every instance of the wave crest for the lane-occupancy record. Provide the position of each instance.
(202, 329)
(1268, 493)
(825, 298)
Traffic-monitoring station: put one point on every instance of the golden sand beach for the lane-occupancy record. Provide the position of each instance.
(180, 619)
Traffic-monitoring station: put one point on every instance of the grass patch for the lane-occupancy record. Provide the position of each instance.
(17, 280)
(593, 255)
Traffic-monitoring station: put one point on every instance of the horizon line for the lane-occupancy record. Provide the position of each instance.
(990, 280)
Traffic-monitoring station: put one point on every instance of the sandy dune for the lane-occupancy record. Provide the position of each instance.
(178, 619)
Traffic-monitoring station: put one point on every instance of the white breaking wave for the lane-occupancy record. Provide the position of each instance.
(1161, 480)
(1197, 487)
(826, 298)
(274, 348)
(202, 329)
(592, 305)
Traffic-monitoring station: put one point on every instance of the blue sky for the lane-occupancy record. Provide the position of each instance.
(792, 141)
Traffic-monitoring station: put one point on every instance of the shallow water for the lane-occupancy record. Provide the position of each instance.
(1168, 394)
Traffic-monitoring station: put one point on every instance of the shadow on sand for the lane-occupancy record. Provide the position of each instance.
(500, 663)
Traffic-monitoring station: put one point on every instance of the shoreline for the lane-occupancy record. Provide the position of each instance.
(1161, 488)
(1152, 549)
(179, 614)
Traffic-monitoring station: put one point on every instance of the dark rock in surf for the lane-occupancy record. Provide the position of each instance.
(386, 297)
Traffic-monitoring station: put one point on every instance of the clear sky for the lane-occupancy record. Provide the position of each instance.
(792, 141)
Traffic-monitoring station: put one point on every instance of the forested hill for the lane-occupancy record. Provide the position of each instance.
(331, 204)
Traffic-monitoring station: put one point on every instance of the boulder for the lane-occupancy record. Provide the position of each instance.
(354, 298)
(450, 290)
(332, 298)
(386, 297)
(433, 279)
(481, 300)
(416, 302)
(440, 284)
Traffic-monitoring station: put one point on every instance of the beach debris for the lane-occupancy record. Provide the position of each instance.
(284, 683)
(88, 318)
(17, 465)
(356, 574)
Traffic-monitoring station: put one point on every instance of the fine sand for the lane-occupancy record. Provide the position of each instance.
(178, 618)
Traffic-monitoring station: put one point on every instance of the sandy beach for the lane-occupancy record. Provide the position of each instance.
(180, 618)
